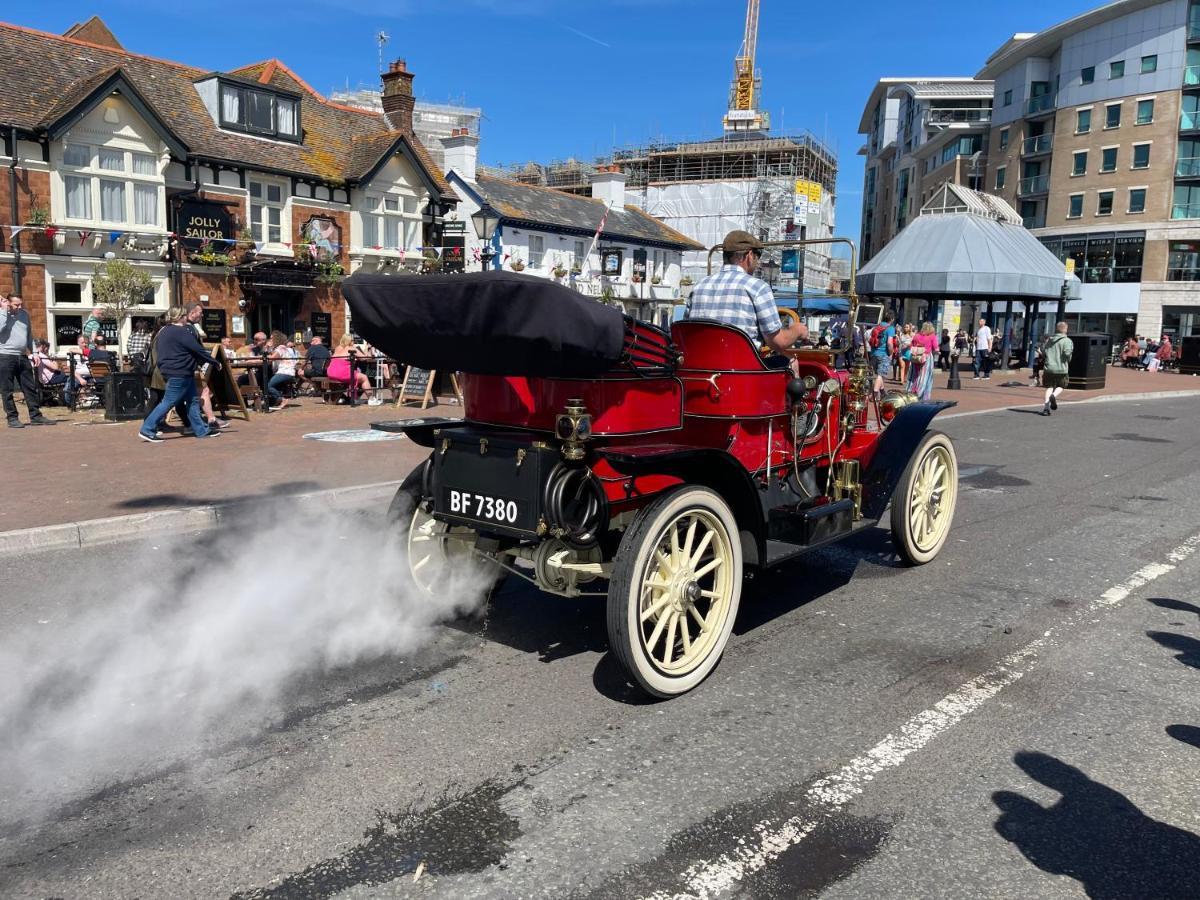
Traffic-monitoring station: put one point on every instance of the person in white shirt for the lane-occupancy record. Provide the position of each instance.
(285, 357)
(983, 351)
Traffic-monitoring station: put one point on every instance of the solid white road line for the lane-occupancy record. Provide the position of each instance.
(709, 879)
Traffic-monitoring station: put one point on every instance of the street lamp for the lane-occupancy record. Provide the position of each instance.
(485, 222)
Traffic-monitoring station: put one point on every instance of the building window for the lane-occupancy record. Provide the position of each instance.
(580, 249)
(266, 211)
(123, 186)
(1079, 162)
(1108, 159)
(1105, 205)
(1075, 206)
(1149, 64)
(1186, 202)
(1137, 200)
(1112, 115)
(1001, 172)
(1116, 69)
(537, 250)
(1008, 98)
(391, 222)
(1141, 156)
(1145, 111)
(1003, 138)
(259, 112)
(1183, 261)
(1189, 116)
(1083, 121)
(1087, 75)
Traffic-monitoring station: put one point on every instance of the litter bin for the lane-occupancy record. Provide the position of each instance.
(124, 397)
(1089, 361)
(1189, 355)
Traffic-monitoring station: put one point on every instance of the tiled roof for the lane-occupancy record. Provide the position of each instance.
(38, 71)
(546, 206)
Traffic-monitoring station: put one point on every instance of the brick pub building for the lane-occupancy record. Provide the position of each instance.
(245, 190)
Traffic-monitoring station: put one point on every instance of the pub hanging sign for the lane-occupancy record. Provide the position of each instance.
(199, 221)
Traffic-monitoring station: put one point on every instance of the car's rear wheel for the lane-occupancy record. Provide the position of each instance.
(924, 501)
(435, 549)
(674, 591)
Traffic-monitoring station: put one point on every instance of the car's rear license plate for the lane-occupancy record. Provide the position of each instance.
(482, 507)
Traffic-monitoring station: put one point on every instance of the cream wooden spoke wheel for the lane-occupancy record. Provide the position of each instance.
(435, 549)
(674, 592)
(924, 501)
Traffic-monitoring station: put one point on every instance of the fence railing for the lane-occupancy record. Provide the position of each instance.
(1035, 184)
(1040, 143)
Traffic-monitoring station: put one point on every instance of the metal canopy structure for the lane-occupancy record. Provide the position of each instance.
(964, 255)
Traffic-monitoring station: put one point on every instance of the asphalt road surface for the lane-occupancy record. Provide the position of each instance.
(1017, 719)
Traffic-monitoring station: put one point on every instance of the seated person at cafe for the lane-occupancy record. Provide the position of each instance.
(46, 366)
(285, 356)
(101, 354)
(339, 366)
(319, 356)
(257, 349)
(83, 347)
(83, 376)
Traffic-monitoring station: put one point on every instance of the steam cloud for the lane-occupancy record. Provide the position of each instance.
(201, 636)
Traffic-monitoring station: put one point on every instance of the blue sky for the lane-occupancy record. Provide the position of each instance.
(559, 79)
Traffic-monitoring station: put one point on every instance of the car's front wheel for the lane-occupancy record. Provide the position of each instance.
(924, 501)
(674, 591)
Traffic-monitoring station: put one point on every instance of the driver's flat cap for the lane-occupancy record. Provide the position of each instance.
(740, 240)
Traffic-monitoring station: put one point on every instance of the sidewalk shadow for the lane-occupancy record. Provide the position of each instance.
(1188, 734)
(1189, 648)
(1095, 835)
(1180, 605)
(171, 501)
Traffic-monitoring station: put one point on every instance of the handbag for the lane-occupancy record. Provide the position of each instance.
(916, 354)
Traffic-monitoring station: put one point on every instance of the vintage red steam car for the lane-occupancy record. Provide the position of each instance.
(598, 448)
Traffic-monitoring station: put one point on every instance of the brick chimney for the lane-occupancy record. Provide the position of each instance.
(461, 152)
(398, 96)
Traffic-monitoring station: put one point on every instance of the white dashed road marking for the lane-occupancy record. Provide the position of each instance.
(709, 879)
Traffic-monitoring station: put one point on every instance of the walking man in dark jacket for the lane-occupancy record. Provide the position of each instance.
(1056, 357)
(16, 344)
(178, 352)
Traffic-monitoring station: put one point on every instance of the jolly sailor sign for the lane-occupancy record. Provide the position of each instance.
(203, 220)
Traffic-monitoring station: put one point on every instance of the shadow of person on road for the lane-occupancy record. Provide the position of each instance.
(1189, 648)
(1180, 605)
(1188, 734)
(172, 501)
(1095, 835)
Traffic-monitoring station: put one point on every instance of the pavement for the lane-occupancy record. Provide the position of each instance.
(239, 715)
(87, 469)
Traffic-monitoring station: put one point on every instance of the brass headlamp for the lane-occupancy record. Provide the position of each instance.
(573, 427)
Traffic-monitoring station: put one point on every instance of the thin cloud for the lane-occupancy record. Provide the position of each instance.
(583, 34)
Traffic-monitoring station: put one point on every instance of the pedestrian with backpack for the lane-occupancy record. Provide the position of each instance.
(1056, 355)
(881, 343)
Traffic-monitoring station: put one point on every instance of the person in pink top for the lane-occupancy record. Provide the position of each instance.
(920, 370)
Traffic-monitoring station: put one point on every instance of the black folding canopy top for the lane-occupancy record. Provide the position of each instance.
(487, 323)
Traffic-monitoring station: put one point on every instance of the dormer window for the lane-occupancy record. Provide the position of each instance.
(260, 112)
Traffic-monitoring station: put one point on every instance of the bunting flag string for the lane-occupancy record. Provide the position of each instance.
(83, 236)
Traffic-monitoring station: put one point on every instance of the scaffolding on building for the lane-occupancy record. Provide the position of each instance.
(705, 188)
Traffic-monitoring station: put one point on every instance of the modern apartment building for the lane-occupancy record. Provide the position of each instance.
(921, 133)
(1095, 139)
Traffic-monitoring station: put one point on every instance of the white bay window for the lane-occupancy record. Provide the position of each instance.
(266, 211)
(111, 186)
(391, 222)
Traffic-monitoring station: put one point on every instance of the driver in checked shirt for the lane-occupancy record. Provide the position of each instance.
(734, 296)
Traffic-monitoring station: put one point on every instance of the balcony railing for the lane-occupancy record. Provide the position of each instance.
(1189, 121)
(1185, 273)
(1187, 167)
(1041, 143)
(1191, 75)
(951, 116)
(1034, 221)
(1035, 105)
(1185, 211)
(1035, 184)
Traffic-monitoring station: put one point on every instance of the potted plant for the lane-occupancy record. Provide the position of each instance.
(430, 262)
(38, 215)
(685, 281)
(209, 256)
(559, 270)
(637, 278)
(657, 279)
(245, 244)
(329, 271)
(517, 264)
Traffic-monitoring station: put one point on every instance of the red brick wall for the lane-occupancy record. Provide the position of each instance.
(300, 216)
(33, 189)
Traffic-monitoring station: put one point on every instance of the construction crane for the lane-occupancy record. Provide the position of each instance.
(744, 93)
